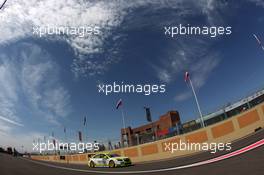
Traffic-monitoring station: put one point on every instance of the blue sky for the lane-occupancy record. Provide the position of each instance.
(51, 82)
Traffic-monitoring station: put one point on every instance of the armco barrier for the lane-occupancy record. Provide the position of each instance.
(225, 131)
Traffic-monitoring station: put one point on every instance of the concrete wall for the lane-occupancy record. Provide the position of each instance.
(225, 131)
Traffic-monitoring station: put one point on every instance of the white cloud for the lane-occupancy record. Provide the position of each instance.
(214, 9)
(8, 93)
(193, 55)
(30, 91)
(30, 81)
(19, 16)
(164, 75)
(199, 73)
(203, 68)
(58, 100)
(258, 2)
(183, 96)
(40, 80)
(32, 77)
(10, 121)
(4, 127)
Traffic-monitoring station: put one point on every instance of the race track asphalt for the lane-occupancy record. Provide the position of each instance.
(248, 163)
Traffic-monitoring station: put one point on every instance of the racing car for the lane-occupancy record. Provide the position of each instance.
(108, 160)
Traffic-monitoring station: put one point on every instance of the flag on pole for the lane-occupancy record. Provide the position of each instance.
(186, 76)
(80, 136)
(64, 130)
(148, 114)
(119, 103)
(84, 121)
(259, 42)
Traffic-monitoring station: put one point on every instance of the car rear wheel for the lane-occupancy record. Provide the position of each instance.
(111, 164)
(92, 165)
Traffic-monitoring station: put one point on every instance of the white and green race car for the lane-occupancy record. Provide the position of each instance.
(108, 160)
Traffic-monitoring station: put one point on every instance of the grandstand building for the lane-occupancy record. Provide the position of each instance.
(170, 125)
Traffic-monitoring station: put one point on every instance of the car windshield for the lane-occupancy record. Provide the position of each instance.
(113, 155)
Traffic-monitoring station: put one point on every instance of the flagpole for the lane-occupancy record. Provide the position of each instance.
(65, 137)
(44, 138)
(124, 124)
(123, 117)
(86, 127)
(83, 133)
(197, 103)
(2, 5)
(54, 142)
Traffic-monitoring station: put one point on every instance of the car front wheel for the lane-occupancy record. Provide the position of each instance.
(111, 164)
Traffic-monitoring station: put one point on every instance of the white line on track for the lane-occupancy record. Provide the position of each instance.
(223, 157)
